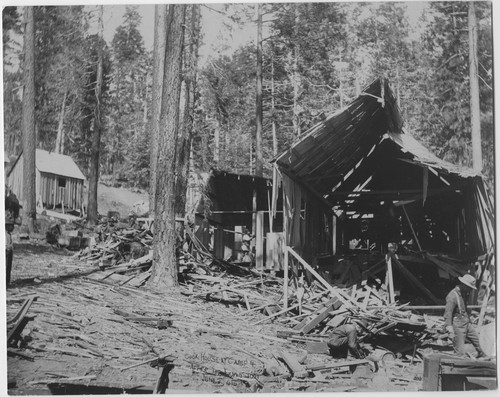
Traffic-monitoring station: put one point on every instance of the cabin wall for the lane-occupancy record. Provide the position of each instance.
(50, 188)
(15, 179)
(55, 190)
(308, 225)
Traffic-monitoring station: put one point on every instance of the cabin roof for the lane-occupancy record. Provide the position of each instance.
(332, 154)
(55, 163)
(58, 164)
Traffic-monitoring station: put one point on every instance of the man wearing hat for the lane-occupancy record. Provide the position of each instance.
(457, 319)
(345, 337)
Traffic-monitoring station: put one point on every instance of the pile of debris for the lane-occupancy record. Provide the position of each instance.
(311, 313)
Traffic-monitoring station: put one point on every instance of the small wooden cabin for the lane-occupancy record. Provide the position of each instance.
(59, 180)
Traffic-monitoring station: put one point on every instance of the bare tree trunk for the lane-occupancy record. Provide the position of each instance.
(28, 121)
(217, 133)
(251, 158)
(296, 77)
(60, 127)
(259, 163)
(204, 149)
(187, 116)
(273, 110)
(160, 40)
(475, 111)
(96, 134)
(164, 272)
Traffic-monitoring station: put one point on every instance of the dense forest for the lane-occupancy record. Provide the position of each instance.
(316, 57)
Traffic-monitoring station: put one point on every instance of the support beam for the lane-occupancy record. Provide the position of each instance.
(330, 288)
(390, 192)
(416, 282)
(285, 280)
(412, 229)
(389, 279)
(259, 241)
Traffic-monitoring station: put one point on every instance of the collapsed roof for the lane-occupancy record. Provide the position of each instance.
(360, 158)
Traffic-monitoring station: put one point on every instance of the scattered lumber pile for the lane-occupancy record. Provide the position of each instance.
(226, 330)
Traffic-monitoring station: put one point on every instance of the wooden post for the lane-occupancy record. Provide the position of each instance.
(388, 279)
(219, 242)
(431, 373)
(334, 234)
(270, 249)
(412, 230)
(285, 280)
(486, 297)
(254, 211)
(259, 241)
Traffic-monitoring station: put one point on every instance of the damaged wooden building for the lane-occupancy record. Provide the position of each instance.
(357, 181)
(227, 208)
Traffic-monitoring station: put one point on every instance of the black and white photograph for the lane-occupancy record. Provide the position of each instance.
(261, 197)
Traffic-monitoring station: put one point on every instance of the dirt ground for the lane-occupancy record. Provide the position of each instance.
(82, 334)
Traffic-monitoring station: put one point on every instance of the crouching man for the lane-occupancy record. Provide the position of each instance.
(344, 339)
(456, 318)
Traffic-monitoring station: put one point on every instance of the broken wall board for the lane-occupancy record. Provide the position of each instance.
(274, 251)
(291, 361)
(324, 314)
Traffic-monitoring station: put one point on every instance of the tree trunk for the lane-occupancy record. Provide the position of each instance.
(217, 142)
(251, 158)
(28, 121)
(96, 134)
(60, 127)
(160, 40)
(273, 110)
(296, 77)
(164, 272)
(187, 116)
(475, 111)
(259, 163)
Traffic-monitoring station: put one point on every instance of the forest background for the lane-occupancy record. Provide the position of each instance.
(316, 58)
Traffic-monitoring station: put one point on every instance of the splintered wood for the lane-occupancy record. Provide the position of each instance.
(226, 329)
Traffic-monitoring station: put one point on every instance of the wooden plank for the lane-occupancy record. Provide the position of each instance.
(285, 280)
(22, 320)
(484, 304)
(24, 309)
(259, 241)
(446, 267)
(332, 290)
(291, 361)
(416, 282)
(389, 280)
(431, 373)
(451, 370)
(317, 347)
(325, 313)
(411, 225)
(337, 364)
(489, 383)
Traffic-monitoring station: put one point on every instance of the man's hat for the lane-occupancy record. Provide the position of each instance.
(468, 280)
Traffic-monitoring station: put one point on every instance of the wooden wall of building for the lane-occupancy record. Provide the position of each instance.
(51, 189)
(54, 190)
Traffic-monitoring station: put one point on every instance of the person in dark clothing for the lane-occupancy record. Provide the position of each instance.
(456, 318)
(11, 218)
(345, 338)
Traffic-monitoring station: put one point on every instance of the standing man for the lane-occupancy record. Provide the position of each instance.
(11, 218)
(456, 318)
(345, 338)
